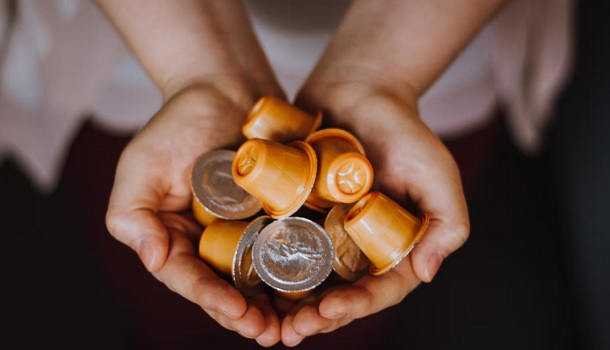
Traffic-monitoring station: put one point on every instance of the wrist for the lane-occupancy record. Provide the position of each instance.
(242, 90)
(341, 92)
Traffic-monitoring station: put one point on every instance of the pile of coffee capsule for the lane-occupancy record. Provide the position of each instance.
(256, 205)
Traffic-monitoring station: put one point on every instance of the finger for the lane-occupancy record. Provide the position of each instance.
(438, 193)
(141, 230)
(249, 325)
(271, 335)
(430, 177)
(342, 305)
(186, 274)
(131, 217)
(307, 321)
(440, 240)
(370, 294)
(289, 336)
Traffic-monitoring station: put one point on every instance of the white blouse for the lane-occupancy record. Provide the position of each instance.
(63, 62)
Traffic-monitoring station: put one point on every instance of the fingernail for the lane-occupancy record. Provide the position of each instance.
(333, 314)
(333, 311)
(293, 343)
(145, 252)
(230, 312)
(434, 262)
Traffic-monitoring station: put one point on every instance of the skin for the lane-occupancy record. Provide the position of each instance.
(206, 61)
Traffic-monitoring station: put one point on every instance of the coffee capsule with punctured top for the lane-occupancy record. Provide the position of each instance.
(215, 193)
(383, 230)
(293, 255)
(279, 175)
(226, 245)
(274, 119)
(350, 263)
(344, 173)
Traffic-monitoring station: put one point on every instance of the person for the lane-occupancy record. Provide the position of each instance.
(372, 79)
(205, 59)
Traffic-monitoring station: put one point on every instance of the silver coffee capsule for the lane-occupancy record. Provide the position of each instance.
(293, 254)
(245, 278)
(216, 195)
(350, 262)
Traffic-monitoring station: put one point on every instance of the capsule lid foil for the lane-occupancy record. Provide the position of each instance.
(293, 254)
(213, 186)
(244, 276)
(350, 262)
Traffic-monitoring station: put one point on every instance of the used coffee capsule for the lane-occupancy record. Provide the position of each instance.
(215, 193)
(350, 263)
(281, 176)
(293, 255)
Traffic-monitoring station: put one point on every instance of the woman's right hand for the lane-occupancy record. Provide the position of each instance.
(151, 197)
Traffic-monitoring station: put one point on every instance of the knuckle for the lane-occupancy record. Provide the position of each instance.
(462, 233)
(113, 222)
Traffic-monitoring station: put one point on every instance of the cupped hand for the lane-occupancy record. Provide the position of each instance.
(151, 197)
(413, 167)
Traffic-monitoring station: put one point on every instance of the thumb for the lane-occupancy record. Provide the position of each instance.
(438, 242)
(142, 230)
(132, 217)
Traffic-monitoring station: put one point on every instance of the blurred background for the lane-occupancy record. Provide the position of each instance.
(535, 273)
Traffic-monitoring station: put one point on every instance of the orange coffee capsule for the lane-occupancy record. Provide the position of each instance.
(344, 173)
(274, 119)
(218, 243)
(384, 231)
(227, 246)
(281, 176)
